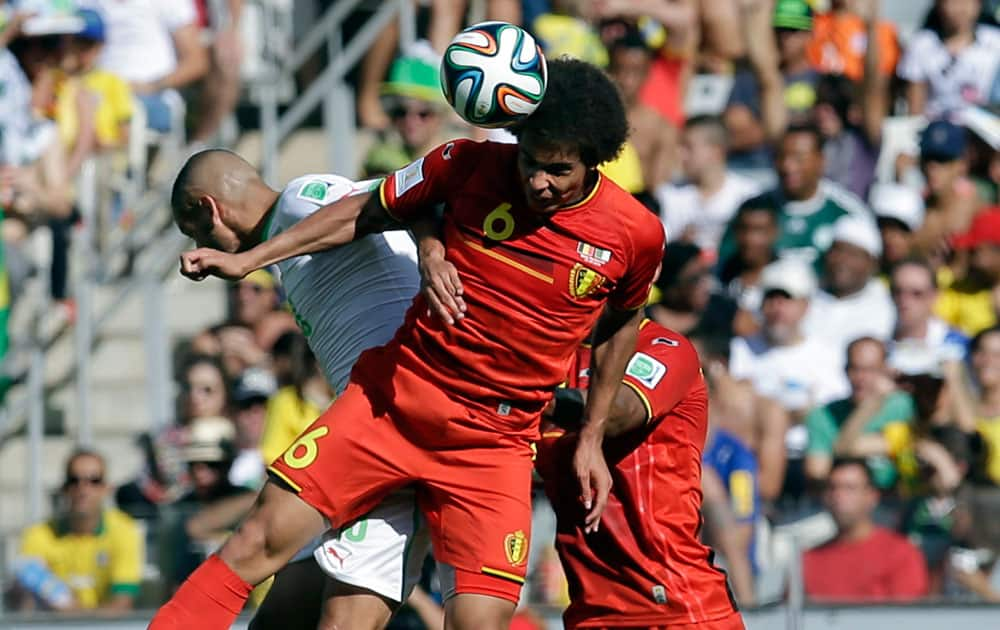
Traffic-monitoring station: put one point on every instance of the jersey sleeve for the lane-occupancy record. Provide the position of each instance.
(647, 254)
(307, 194)
(662, 372)
(411, 191)
(36, 542)
(126, 558)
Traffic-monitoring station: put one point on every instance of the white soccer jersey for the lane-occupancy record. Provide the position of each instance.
(349, 298)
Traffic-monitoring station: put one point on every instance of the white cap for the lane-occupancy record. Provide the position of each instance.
(860, 232)
(791, 275)
(895, 201)
(207, 438)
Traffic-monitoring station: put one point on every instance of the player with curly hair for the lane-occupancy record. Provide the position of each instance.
(546, 250)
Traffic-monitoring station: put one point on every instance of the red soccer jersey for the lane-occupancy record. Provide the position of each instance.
(534, 284)
(645, 566)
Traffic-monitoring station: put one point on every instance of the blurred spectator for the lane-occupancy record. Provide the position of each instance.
(722, 533)
(781, 361)
(978, 411)
(256, 304)
(156, 46)
(220, 91)
(687, 302)
(853, 303)
(93, 106)
(852, 129)
(781, 84)
(565, 29)
(698, 210)
(973, 559)
(755, 233)
(209, 452)
(302, 395)
(736, 466)
(968, 303)
(87, 557)
(415, 107)
(899, 213)
(250, 395)
(841, 36)
(929, 520)
(857, 426)
(951, 196)
(921, 343)
(204, 391)
(952, 62)
(808, 204)
(864, 562)
(648, 157)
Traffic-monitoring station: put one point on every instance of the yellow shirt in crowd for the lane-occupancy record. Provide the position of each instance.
(94, 566)
(114, 107)
(625, 170)
(989, 429)
(287, 416)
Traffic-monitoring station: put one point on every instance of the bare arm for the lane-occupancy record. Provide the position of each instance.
(848, 440)
(339, 223)
(875, 93)
(627, 411)
(721, 33)
(732, 539)
(86, 138)
(963, 401)
(916, 98)
(219, 517)
(614, 343)
(192, 59)
(762, 50)
(773, 422)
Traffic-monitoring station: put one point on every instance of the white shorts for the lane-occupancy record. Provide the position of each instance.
(382, 552)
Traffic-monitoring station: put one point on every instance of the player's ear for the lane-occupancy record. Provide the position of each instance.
(211, 208)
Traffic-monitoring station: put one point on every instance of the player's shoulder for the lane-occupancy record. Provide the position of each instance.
(621, 207)
(657, 339)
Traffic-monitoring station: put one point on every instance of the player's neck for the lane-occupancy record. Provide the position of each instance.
(264, 202)
(589, 182)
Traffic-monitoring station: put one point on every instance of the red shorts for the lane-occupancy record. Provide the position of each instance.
(733, 621)
(473, 484)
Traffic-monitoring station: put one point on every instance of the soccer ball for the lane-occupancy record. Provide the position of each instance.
(493, 74)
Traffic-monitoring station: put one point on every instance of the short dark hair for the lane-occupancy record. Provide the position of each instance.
(838, 92)
(844, 462)
(630, 39)
(807, 128)
(920, 263)
(714, 125)
(581, 108)
(761, 203)
(980, 336)
(860, 340)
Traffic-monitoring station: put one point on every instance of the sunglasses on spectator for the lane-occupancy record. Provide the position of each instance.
(92, 480)
(398, 113)
(201, 389)
(247, 286)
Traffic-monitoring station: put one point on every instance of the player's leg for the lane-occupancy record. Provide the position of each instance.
(478, 506)
(295, 599)
(374, 562)
(279, 524)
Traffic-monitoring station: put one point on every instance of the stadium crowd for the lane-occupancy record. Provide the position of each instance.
(828, 187)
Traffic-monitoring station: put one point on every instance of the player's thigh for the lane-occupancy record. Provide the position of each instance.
(478, 506)
(346, 606)
(468, 611)
(346, 461)
(383, 551)
(295, 599)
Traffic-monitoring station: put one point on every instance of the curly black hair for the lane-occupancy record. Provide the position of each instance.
(581, 108)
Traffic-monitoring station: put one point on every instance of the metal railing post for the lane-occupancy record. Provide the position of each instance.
(155, 335)
(796, 589)
(84, 291)
(36, 430)
(407, 24)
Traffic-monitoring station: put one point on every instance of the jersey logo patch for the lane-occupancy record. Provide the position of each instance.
(408, 177)
(592, 254)
(584, 281)
(313, 191)
(659, 594)
(666, 342)
(446, 152)
(646, 370)
(515, 545)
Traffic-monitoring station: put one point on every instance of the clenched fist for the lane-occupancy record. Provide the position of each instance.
(200, 263)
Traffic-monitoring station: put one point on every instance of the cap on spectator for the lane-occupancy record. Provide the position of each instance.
(985, 228)
(796, 15)
(414, 76)
(942, 141)
(260, 278)
(93, 25)
(791, 276)
(52, 24)
(210, 439)
(254, 384)
(860, 232)
(982, 123)
(895, 201)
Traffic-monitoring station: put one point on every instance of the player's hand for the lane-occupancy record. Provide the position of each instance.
(443, 289)
(594, 477)
(200, 263)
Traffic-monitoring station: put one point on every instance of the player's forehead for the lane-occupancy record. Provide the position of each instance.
(547, 152)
